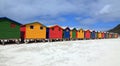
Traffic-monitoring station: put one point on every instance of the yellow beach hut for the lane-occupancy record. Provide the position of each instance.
(100, 35)
(33, 31)
(80, 34)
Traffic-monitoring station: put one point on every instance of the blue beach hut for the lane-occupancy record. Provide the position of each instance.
(93, 34)
(66, 33)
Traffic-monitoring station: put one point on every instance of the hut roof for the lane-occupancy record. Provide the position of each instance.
(67, 28)
(81, 29)
(35, 22)
(54, 26)
(10, 20)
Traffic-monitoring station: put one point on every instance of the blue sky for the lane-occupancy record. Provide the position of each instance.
(87, 14)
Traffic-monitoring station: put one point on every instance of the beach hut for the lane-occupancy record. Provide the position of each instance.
(9, 30)
(110, 35)
(66, 33)
(87, 34)
(74, 33)
(55, 32)
(107, 34)
(96, 34)
(33, 32)
(103, 35)
(116, 35)
(70, 34)
(93, 35)
(80, 34)
(100, 35)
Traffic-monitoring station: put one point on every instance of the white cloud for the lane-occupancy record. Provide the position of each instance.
(107, 10)
(85, 20)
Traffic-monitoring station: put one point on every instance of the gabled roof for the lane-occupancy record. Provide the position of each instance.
(54, 26)
(88, 30)
(80, 29)
(64, 27)
(10, 20)
(93, 31)
(67, 28)
(74, 29)
(34, 23)
(99, 31)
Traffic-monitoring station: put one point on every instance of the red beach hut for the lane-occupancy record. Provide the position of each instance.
(55, 32)
(87, 34)
(103, 35)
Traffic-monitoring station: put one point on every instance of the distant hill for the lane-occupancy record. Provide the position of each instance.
(116, 29)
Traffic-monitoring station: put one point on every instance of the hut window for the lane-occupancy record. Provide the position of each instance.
(52, 28)
(31, 27)
(41, 28)
(12, 25)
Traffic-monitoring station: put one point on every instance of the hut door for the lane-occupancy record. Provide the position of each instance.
(22, 36)
(47, 33)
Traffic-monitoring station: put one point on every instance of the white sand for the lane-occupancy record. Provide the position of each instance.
(105, 52)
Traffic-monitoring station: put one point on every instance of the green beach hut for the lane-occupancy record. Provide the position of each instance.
(9, 30)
